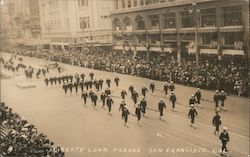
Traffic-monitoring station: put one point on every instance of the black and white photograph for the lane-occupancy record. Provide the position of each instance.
(124, 78)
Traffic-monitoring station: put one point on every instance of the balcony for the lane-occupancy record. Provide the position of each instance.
(231, 29)
(169, 30)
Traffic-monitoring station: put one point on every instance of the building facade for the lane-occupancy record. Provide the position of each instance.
(182, 27)
(76, 22)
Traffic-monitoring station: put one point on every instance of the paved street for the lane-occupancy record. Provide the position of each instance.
(87, 132)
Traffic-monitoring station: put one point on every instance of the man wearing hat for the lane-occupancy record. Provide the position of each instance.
(103, 98)
(131, 89)
(216, 122)
(138, 114)
(65, 87)
(216, 99)
(222, 98)
(123, 93)
(171, 86)
(152, 87)
(191, 114)
(161, 107)
(173, 99)
(143, 105)
(197, 95)
(122, 105)
(144, 90)
(125, 113)
(109, 102)
(191, 100)
(165, 88)
(117, 79)
(84, 97)
(135, 95)
(224, 137)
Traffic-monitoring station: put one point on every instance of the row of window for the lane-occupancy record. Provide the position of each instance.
(231, 16)
(85, 22)
(206, 38)
(83, 3)
(121, 4)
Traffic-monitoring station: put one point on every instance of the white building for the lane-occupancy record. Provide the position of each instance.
(75, 22)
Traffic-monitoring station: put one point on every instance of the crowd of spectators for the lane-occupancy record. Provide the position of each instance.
(210, 74)
(19, 138)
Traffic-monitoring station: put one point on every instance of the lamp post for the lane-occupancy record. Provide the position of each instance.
(195, 17)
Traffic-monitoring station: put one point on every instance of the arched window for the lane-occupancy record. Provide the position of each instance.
(127, 23)
(140, 23)
(116, 25)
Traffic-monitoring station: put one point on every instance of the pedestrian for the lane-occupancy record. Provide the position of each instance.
(116, 80)
(161, 107)
(173, 100)
(91, 75)
(103, 98)
(222, 98)
(217, 123)
(76, 86)
(122, 105)
(100, 83)
(131, 89)
(197, 96)
(135, 95)
(107, 91)
(138, 114)
(192, 100)
(224, 137)
(125, 114)
(109, 102)
(51, 81)
(65, 87)
(81, 84)
(171, 86)
(191, 114)
(84, 97)
(123, 94)
(144, 90)
(165, 88)
(70, 86)
(108, 81)
(46, 80)
(94, 99)
(152, 86)
(143, 105)
(216, 100)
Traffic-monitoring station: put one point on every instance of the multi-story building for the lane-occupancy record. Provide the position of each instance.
(181, 27)
(76, 22)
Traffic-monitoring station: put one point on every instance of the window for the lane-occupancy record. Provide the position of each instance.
(232, 16)
(169, 20)
(155, 40)
(105, 21)
(128, 23)
(141, 39)
(123, 3)
(83, 3)
(140, 24)
(231, 38)
(129, 4)
(135, 3)
(154, 21)
(187, 20)
(84, 23)
(208, 38)
(116, 25)
(208, 17)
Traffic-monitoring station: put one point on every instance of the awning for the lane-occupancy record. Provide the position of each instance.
(207, 29)
(209, 51)
(231, 29)
(59, 43)
(141, 48)
(191, 51)
(155, 49)
(169, 49)
(127, 48)
(118, 48)
(233, 52)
